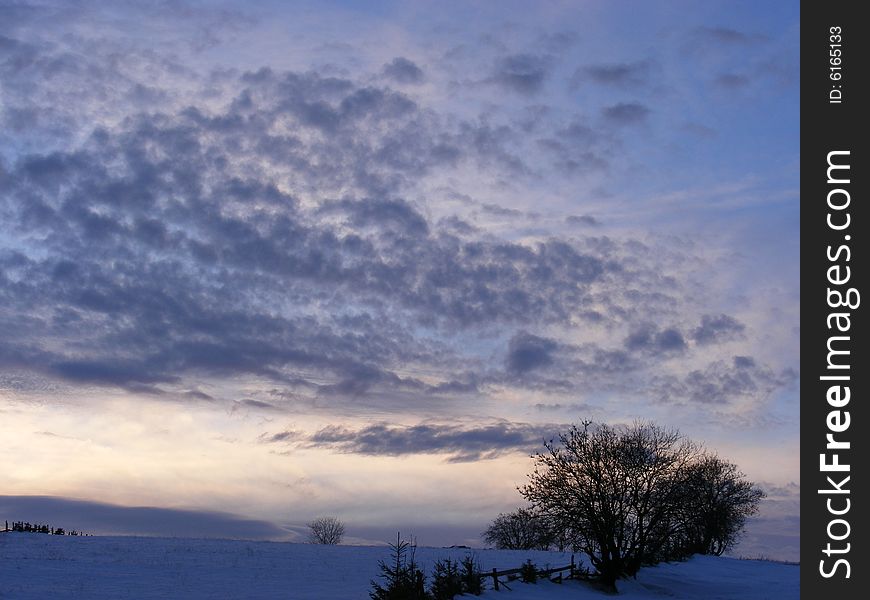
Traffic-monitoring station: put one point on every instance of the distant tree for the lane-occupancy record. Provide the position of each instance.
(522, 529)
(326, 530)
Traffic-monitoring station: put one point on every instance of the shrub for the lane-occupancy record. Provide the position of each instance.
(529, 572)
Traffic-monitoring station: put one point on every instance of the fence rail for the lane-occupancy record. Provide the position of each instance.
(573, 573)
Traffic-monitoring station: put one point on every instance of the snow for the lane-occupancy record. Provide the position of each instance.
(44, 566)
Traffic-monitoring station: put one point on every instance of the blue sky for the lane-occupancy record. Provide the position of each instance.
(287, 259)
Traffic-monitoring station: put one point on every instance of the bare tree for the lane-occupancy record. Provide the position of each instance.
(634, 495)
(617, 489)
(718, 500)
(519, 530)
(325, 530)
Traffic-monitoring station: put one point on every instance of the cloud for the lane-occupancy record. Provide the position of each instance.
(459, 443)
(716, 328)
(528, 352)
(625, 113)
(403, 70)
(279, 224)
(282, 436)
(381, 213)
(722, 382)
(578, 148)
(559, 41)
(521, 73)
(621, 75)
(729, 36)
(732, 80)
(254, 404)
(587, 220)
(650, 339)
(578, 408)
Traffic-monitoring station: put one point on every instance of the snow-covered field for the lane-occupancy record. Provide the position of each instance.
(36, 566)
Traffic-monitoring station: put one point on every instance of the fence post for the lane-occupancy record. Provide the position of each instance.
(495, 579)
(572, 567)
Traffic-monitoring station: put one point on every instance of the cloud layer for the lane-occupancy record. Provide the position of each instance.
(382, 236)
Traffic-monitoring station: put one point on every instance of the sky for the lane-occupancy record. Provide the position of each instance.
(261, 262)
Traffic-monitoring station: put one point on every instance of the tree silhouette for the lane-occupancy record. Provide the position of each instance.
(325, 530)
(638, 494)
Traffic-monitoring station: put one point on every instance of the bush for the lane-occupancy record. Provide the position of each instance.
(529, 572)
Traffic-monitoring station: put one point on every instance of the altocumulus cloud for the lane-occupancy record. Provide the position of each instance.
(195, 226)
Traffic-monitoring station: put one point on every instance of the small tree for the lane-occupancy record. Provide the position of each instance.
(470, 575)
(529, 572)
(446, 580)
(326, 530)
(402, 577)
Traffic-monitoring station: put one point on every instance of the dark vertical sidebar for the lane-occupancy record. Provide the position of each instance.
(834, 302)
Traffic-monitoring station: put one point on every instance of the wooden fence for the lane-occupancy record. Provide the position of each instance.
(573, 573)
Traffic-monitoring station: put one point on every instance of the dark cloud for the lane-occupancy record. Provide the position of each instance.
(528, 352)
(106, 371)
(559, 41)
(729, 36)
(586, 220)
(282, 436)
(461, 444)
(579, 409)
(458, 226)
(383, 214)
(625, 113)
(622, 75)
(521, 73)
(500, 211)
(255, 404)
(732, 81)
(716, 328)
(650, 339)
(109, 519)
(721, 382)
(578, 148)
(403, 70)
